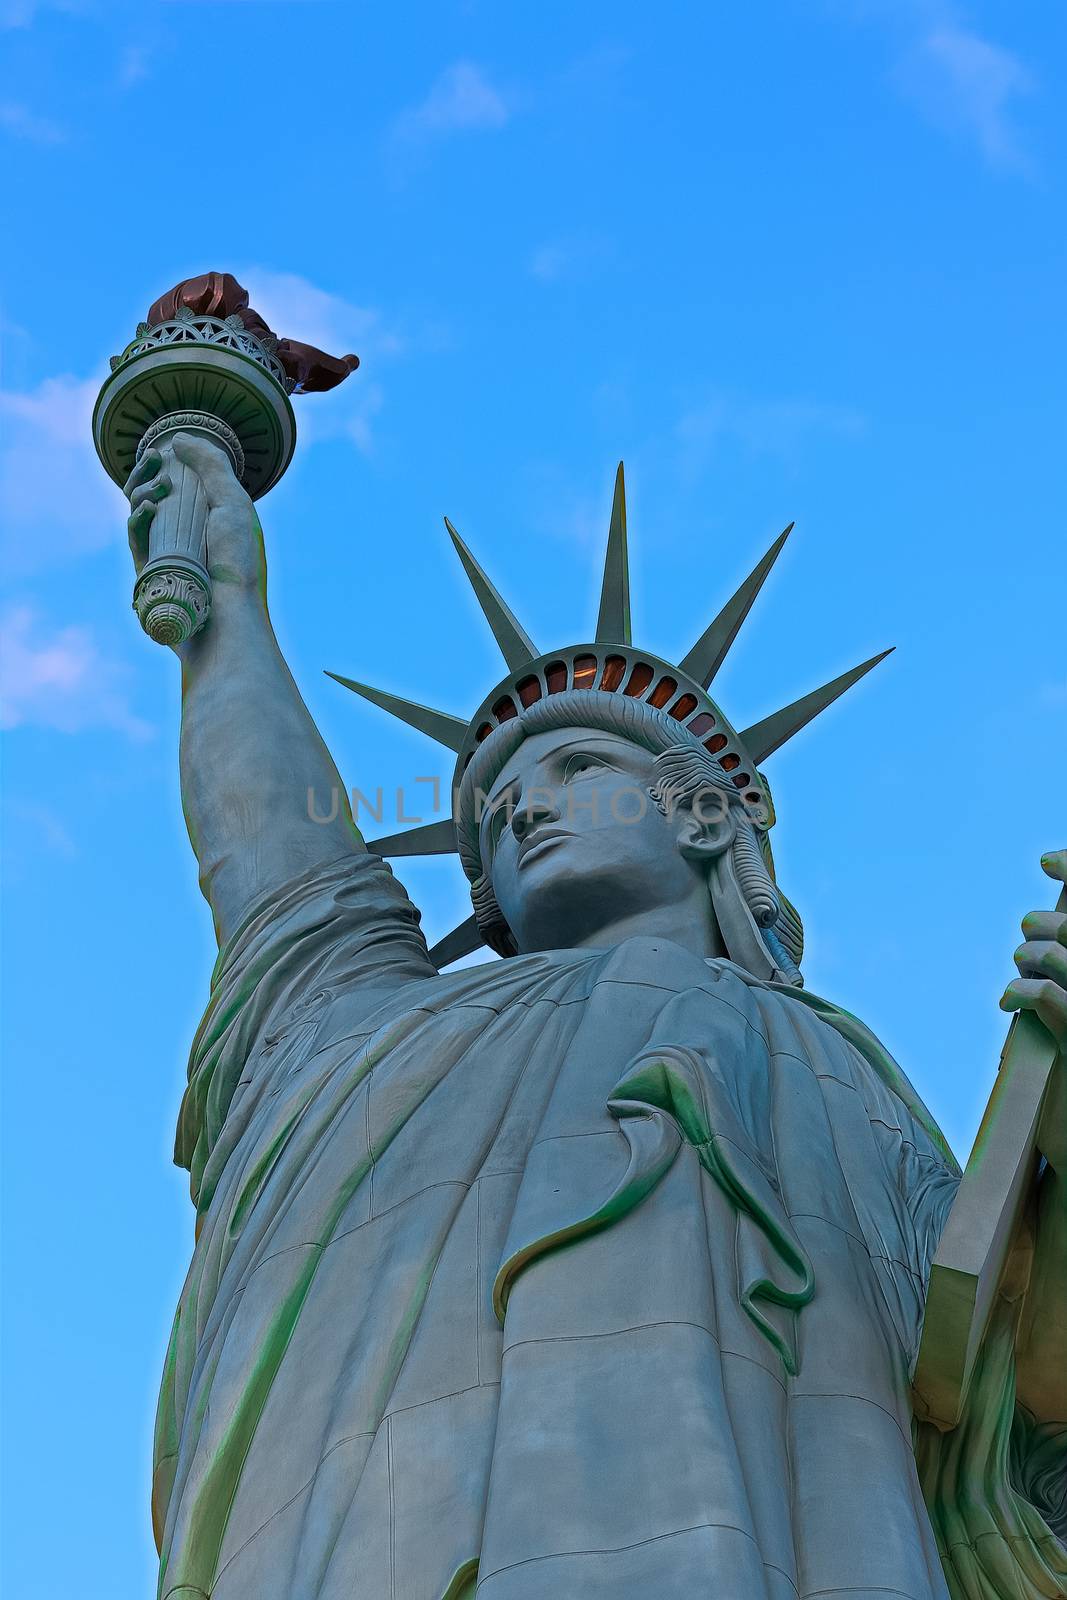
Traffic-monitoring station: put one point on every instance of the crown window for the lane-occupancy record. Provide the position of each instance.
(663, 691)
(614, 667)
(640, 678)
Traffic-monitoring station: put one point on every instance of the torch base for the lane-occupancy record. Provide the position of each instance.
(172, 598)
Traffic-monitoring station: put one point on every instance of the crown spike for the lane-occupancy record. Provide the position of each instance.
(613, 623)
(764, 738)
(516, 646)
(449, 731)
(460, 942)
(432, 839)
(710, 650)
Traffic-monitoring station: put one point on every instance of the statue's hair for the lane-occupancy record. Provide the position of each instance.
(684, 773)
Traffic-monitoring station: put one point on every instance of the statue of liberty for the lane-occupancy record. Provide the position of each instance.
(597, 1271)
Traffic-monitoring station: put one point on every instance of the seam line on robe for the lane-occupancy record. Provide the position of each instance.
(873, 1255)
(843, 1083)
(773, 1567)
(467, 1188)
(739, 1355)
(858, 1589)
(317, 1244)
(597, 1133)
(831, 1077)
(1008, 1538)
(435, 1399)
(591, 1133)
(392, 1507)
(450, 1007)
(348, 1439)
(620, 1549)
(614, 1333)
(865, 1400)
(478, 1274)
(468, 1046)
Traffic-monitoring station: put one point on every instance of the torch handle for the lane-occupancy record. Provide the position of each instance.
(172, 596)
(179, 527)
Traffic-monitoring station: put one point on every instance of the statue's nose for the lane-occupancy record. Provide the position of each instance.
(535, 807)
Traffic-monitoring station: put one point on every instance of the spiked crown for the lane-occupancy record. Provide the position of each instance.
(609, 664)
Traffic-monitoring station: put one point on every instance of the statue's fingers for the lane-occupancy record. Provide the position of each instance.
(145, 469)
(1054, 862)
(138, 527)
(1040, 995)
(158, 489)
(1043, 958)
(210, 463)
(1046, 925)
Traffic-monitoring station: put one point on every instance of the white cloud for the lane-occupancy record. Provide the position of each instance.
(60, 679)
(568, 258)
(549, 261)
(17, 120)
(462, 98)
(133, 65)
(763, 427)
(298, 309)
(55, 498)
(46, 824)
(969, 85)
(21, 13)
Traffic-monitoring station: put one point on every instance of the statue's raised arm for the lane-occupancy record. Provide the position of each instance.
(196, 421)
(250, 750)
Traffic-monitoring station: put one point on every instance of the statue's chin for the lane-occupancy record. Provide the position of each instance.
(559, 905)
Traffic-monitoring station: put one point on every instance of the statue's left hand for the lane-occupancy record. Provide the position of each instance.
(1041, 987)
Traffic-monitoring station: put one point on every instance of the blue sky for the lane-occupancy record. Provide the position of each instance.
(792, 261)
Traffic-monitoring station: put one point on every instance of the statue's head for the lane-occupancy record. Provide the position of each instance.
(588, 809)
(600, 788)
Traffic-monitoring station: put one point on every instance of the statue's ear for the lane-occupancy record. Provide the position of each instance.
(706, 827)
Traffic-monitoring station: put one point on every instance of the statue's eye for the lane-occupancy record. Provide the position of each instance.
(578, 766)
(499, 819)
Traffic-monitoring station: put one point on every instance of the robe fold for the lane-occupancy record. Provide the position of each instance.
(589, 1273)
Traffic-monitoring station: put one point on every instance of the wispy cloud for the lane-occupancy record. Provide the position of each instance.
(762, 427)
(60, 679)
(573, 510)
(971, 87)
(462, 99)
(298, 309)
(566, 258)
(549, 261)
(133, 66)
(44, 822)
(55, 499)
(22, 123)
(23, 13)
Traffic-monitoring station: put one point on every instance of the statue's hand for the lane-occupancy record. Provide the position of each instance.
(234, 537)
(1042, 988)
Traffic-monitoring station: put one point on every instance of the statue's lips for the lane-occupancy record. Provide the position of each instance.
(538, 842)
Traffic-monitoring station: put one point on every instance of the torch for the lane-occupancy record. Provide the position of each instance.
(202, 363)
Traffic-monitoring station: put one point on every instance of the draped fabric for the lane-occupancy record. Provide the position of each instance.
(592, 1273)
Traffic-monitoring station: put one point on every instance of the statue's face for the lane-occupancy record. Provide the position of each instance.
(574, 843)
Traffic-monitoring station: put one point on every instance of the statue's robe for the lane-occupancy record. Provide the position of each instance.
(593, 1273)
